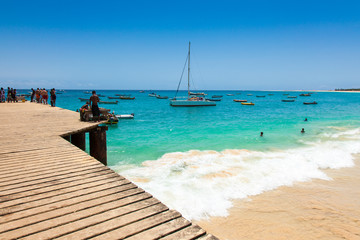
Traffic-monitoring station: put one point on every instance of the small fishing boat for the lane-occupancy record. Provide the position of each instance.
(288, 100)
(292, 96)
(249, 94)
(230, 94)
(213, 99)
(125, 116)
(142, 91)
(118, 97)
(152, 94)
(305, 95)
(108, 102)
(260, 95)
(217, 96)
(248, 103)
(84, 99)
(239, 100)
(127, 98)
(309, 103)
(162, 97)
(87, 92)
(112, 119)
(122, 95)
(100, 95)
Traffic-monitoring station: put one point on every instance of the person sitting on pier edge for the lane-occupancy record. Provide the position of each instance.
(94, 100)
(82, 111)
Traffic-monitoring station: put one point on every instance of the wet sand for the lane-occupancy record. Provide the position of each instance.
(312, 210)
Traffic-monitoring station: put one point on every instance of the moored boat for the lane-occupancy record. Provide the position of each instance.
(230, 94)
(118, 97)
(108, 102)
(217, 96)
(249, 94)
(309, 103)
(239, 100)
(112, 119)
(127, 98)
(305, 95)
(214, 99)
(260, 95)
(288, 100)
(84, 99)
(152, 94)
(292, 96)
(162, 97)
(190, 100)
(125, 116)
(248, 103)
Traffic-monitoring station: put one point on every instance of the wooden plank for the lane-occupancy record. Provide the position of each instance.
(52, 176)
(140, 226)
(161, 230)
(61, 187)
(191, 232)
(13, 226)
(66, 166)
(208, 237)
(116, 222)
(40, 187)
(20, 211)
(150, 228)
(99, 214)
(34, 200)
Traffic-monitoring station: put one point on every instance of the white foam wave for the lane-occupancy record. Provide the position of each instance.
(203, 183)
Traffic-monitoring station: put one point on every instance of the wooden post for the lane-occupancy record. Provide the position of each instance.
(98, 144)
(78, 139)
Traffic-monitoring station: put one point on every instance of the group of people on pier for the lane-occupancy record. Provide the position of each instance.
(42, 96)
(10, 96)
(39, 96)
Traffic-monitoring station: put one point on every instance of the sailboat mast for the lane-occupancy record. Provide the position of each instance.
(189, 73)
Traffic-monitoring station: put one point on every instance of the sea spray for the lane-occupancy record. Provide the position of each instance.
(200, 184)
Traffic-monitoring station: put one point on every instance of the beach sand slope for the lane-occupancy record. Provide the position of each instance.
(318, 210)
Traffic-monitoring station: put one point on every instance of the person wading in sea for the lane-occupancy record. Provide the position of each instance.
(94, 100)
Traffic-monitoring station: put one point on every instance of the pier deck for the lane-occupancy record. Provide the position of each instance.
(50, 188)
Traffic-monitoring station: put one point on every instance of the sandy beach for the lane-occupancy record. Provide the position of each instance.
(318, 209)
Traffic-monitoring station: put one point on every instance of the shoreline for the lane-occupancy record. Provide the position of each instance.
(318, 209)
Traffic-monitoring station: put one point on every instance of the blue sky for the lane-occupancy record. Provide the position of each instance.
(143, 44)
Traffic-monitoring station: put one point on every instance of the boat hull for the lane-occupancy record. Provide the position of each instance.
(186, 103)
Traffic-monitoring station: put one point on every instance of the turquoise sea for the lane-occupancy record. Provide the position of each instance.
(197, 160)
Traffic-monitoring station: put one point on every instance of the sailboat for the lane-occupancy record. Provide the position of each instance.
(191, 100)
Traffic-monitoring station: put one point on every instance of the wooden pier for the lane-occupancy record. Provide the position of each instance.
(50, 188)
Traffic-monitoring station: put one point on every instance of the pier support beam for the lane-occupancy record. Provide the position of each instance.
(78, 139)
(98, 144)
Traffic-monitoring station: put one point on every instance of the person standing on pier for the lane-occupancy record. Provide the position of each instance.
(52, 97)
(94, 100)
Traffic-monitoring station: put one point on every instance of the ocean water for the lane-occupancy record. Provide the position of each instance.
(197, 160)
